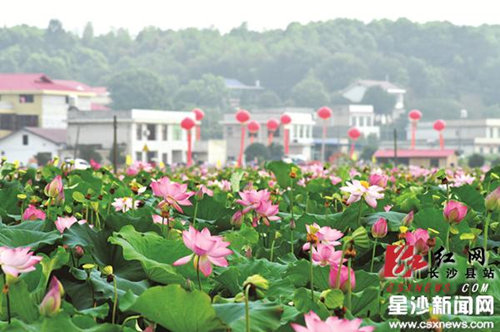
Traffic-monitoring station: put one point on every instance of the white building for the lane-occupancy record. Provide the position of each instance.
(356, 92)
(23, 145)
(145, 135)
(301, 131)
(466, 135)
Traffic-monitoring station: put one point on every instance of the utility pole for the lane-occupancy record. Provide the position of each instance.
(115, 145)
(395, 147)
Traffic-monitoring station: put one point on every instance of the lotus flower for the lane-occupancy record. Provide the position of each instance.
(325, 254)
(32, 213)
(124, 204)
(331, 324)
(207, 250)
(51, 303)
(454, 212)
(377, 179)
(203, 190)
(362, 189)
(54, 189)
(379, 228)
(408, 219)
(344, 277)
(17, 260)
(174, 194)
(63, 223)
(266, 211)
(95, 165)
(325, 235)
(251, 199)
(418, 238)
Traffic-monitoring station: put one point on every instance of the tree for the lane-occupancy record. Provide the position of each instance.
(268, 99)
(275, 151)
(383, 102)
(88, 152)
(120, 157)
(256, 151)
(309, 93)
(137, 88)
(476, 160)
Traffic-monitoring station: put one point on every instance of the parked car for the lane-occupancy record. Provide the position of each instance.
(78, 163)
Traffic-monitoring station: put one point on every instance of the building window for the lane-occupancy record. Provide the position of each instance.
(7, 121)
(229, 131)
(25, 99)
(138, 156)
(151, 130)
(164, 133)
(138, 131)
(434, 162)
(164, 158)
(368, 121)
(361, 121)
(26, 121)
(177, 133)
(25, 139)
(152, 156)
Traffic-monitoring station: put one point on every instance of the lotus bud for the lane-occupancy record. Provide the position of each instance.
(454, 212)
(51, 303)
(258, 285)
(492, 201)
(107, 270)
(408, 219)
(379, 228)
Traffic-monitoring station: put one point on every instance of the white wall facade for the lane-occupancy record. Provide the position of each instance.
(12, 146)
(54, 112)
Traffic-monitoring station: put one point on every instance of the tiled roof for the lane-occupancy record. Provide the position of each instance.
(57, 136)
(30, 82)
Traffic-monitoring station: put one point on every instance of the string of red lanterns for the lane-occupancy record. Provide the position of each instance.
(324, 113)
(439, 126)
(272, 126)
(199, 115)
(414, 116)
(353, 134)
(253, 129)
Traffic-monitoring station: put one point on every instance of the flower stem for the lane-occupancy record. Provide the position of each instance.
(195, 213)
(359, 214)
(6, 291)
(349, 290)
(115, 301)
(373, 255)
(272, 250)
(337, 283)
(198, 270)
(485, 234)
(448, 238)
(247, 309)
(311, 273)
(292, 222)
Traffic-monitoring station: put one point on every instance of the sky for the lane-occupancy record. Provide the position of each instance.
(224, 15)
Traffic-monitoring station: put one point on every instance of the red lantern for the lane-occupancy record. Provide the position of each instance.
(253, 128)
(286, 120)
(242, 116)
(439, 126)
(187, 124)
(353, 134)
(324, 113)
(272, 126)
(199, 115)
(415, 116)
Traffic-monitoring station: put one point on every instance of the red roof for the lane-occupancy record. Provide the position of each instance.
(30, 82)
(99, 107)
(82, 86)
(429, 153)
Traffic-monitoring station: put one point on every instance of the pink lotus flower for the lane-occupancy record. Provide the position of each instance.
(17, 260)
(454, 212)
(377, 179)
(266, 212)
(54, 189)
(207, 250)
(63, 223)
(124, 204)
(174, 194)
(32, 213)
(387, 208)
(335, 179)
(379, 228)
(51, 303)
(331, 324)
(325, 235)
(324, 255)
(344, 277)
(418, 239)
(138, 166)
(251, 199)
(203, 190)
(95, 165)
(362, 189)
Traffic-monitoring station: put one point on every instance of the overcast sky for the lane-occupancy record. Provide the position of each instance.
(226, 14)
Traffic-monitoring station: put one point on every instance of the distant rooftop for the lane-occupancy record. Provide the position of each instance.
(79, 86)
(234, 84)
(30, 82)
(57, 136)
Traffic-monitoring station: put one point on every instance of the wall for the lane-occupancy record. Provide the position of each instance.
(14, 149)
